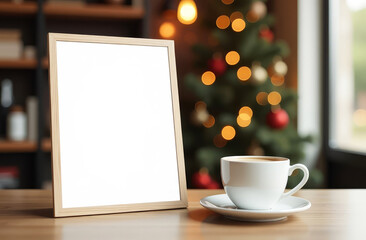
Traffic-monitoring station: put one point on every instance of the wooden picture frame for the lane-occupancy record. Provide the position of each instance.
(115, 125)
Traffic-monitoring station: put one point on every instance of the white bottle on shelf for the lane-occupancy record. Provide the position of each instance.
(17, 124)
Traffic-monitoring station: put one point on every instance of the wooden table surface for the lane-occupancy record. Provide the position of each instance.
(335, 214)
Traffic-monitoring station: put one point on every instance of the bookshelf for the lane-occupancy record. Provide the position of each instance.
(25, 8)
(18, 63)
(35, 19)
(95, 11)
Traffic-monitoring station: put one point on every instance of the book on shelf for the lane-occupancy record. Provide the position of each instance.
(11, 45)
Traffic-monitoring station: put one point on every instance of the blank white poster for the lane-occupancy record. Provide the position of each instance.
(117, 140)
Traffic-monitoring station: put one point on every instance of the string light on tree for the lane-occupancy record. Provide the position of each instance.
(200, 114)
(238, 25)
(223, 22)
(236, 15)
(232, 57)
(210, 122)
(274, 98)
(257, 11)
(280, 67)
(208, 78)
(244, 73)
(228, 132)
(261, 98)
(277, 80)
(187, 12)
(259, 73)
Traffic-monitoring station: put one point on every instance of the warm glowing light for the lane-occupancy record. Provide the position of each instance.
(208, 78)
(262, 98)
(238, 25)
(359, 117)
(228, 132)
(236, 15)
(252, 17)
(187, 11)
(167, 30)
(200, 105)
(223, 22)
(243, 120)
(247, 110)
(274, 98)
(227, 2)
(219, 141)
(210, 122)
(232, 57)
(244, 73)
(277, 80)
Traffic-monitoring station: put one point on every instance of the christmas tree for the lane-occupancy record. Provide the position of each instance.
(242, 105)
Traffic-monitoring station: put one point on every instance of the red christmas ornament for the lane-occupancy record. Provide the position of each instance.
(266, 34)
(202, 179)
(217, 65)
(277, 119)
(213, 185)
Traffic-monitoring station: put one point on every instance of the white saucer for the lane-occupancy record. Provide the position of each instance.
(221, 204)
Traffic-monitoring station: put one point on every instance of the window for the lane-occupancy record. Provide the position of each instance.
(347, 75)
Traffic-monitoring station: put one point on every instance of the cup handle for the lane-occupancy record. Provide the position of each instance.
(303, 181)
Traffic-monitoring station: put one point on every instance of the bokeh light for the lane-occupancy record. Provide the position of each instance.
(228, 132)
(261, 98)
(219, 141)
(359, 117)
(252, 17)
(208, 78)
(227, 2)
(187, 11)
(277, 80)
(243, 120)
(210, 122)
(247, 110)
(223, 22)
(274, 98)
(238, 25)
(236, 15)
(200, 105)
(167, 30)
(244, 73)
(232, 57)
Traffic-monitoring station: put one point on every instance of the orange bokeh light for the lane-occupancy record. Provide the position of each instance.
(238, 25)
(247, 110)
(210, 122)
(223, 22)
(262, 98)
(232, 57)
(167, 30)
(208, 78)
(228, 132)
(236, 15)
(277, 80)
(274, 98)
(243, 120)
(244, 73)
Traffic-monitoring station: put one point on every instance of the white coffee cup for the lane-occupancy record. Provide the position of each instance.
(258, 182)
